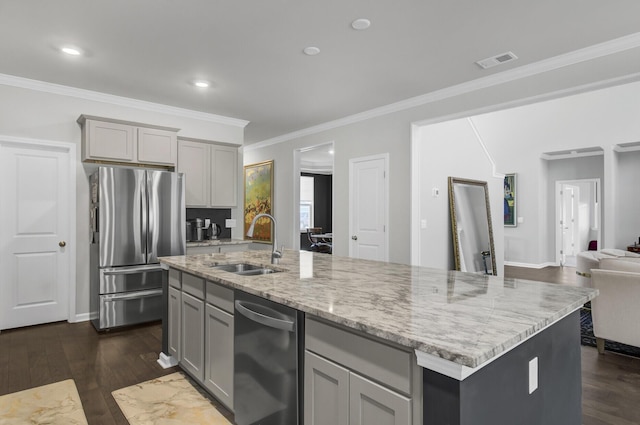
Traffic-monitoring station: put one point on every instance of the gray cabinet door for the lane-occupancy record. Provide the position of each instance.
(326, 392)
(175, 301)
(219, 354)
(194, 162)
(372, 404)
(192, 334)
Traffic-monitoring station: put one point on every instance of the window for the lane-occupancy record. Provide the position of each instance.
(306, 202)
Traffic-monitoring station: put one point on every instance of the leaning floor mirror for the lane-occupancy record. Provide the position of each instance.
(473, 249)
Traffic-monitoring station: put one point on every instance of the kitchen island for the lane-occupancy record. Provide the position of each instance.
(481, 343)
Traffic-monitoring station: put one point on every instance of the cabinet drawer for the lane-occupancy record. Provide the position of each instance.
(193, 285)
(376, 360)
(220, 296)
(174, 278)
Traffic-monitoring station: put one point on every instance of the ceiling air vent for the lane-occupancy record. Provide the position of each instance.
(496, 60)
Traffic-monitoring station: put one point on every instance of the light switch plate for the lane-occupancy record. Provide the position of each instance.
(533, 374)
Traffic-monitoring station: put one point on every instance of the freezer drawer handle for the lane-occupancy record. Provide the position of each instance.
(273, 322)
(136, 270)
(132, 295)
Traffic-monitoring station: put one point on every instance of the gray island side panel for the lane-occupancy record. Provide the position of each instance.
(499, 392)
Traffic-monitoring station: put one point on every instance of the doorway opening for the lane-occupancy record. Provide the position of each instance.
(578, 219)
(313, 198)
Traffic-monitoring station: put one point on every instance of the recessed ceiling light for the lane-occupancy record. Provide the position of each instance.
(311, 51)
(361, 24)
(73, 51)
(201, 83)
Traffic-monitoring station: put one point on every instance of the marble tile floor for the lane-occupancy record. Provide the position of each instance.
(52, 404)
(167, 399)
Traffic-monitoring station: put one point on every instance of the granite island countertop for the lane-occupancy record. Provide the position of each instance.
(463, 318)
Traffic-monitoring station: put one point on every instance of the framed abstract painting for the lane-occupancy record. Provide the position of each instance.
(258, 192)
(510, 202)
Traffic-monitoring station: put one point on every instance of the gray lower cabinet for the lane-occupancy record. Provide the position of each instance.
(175, 301)
(218, 368)
(326, 392)
(334, 395)
(200, 332)
(373, 404)
(192, 333)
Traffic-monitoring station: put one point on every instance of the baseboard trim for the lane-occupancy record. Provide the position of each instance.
(82, 317)
(529, 265)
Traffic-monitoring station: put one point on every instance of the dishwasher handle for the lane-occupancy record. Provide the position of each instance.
(264, 319)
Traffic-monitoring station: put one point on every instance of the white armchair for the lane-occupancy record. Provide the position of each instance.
(589, 260)
(616, 311)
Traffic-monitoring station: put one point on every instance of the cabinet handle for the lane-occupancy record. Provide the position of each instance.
(62, 244)
(354, 237)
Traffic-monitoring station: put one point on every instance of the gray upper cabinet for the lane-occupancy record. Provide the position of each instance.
(211, 173)
(157, 146)
(108, 140)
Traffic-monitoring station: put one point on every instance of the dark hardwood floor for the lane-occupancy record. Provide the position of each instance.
(98, 363)
(101, 363)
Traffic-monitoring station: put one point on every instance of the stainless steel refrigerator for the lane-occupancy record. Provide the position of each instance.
(136, 216)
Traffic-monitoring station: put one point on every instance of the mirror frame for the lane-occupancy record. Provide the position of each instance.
(454, 227)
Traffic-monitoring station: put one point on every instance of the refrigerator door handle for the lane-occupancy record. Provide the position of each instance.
(131, 295)
(144, 217)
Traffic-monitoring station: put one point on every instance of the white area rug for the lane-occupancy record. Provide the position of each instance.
(169, 400)
(53, 404)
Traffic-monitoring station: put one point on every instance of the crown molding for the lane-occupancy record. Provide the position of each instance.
(43, 86)
(548, 157)
(596, 51)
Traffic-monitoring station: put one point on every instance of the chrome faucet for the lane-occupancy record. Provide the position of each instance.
(275, 254)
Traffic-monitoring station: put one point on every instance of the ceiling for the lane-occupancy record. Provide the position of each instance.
(251, 51)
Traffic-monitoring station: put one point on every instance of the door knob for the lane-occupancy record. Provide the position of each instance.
(62, 243)
(354, 237)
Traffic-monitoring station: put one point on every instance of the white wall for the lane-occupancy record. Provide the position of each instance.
(39, 115)
(516, 139)
(451, 149)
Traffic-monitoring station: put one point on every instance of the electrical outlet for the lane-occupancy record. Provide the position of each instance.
(533, 375)
(423, 223)
(229, 222)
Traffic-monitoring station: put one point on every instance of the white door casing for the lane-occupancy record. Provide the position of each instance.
(37, 232)
(368, 207)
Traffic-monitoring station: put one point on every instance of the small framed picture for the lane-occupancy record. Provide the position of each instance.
(510, 204)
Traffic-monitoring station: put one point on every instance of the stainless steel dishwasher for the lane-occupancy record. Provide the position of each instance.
(267, 380)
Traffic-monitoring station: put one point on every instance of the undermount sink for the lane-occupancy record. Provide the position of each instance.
(245, 269)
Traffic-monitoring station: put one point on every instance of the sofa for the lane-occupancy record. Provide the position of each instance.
(615, 311)
(589, 260)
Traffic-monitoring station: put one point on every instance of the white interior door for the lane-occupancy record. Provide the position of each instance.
(570, 196)
(368, 189)
(35, 256)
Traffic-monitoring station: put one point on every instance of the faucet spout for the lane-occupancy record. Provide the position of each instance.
(275, 254)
